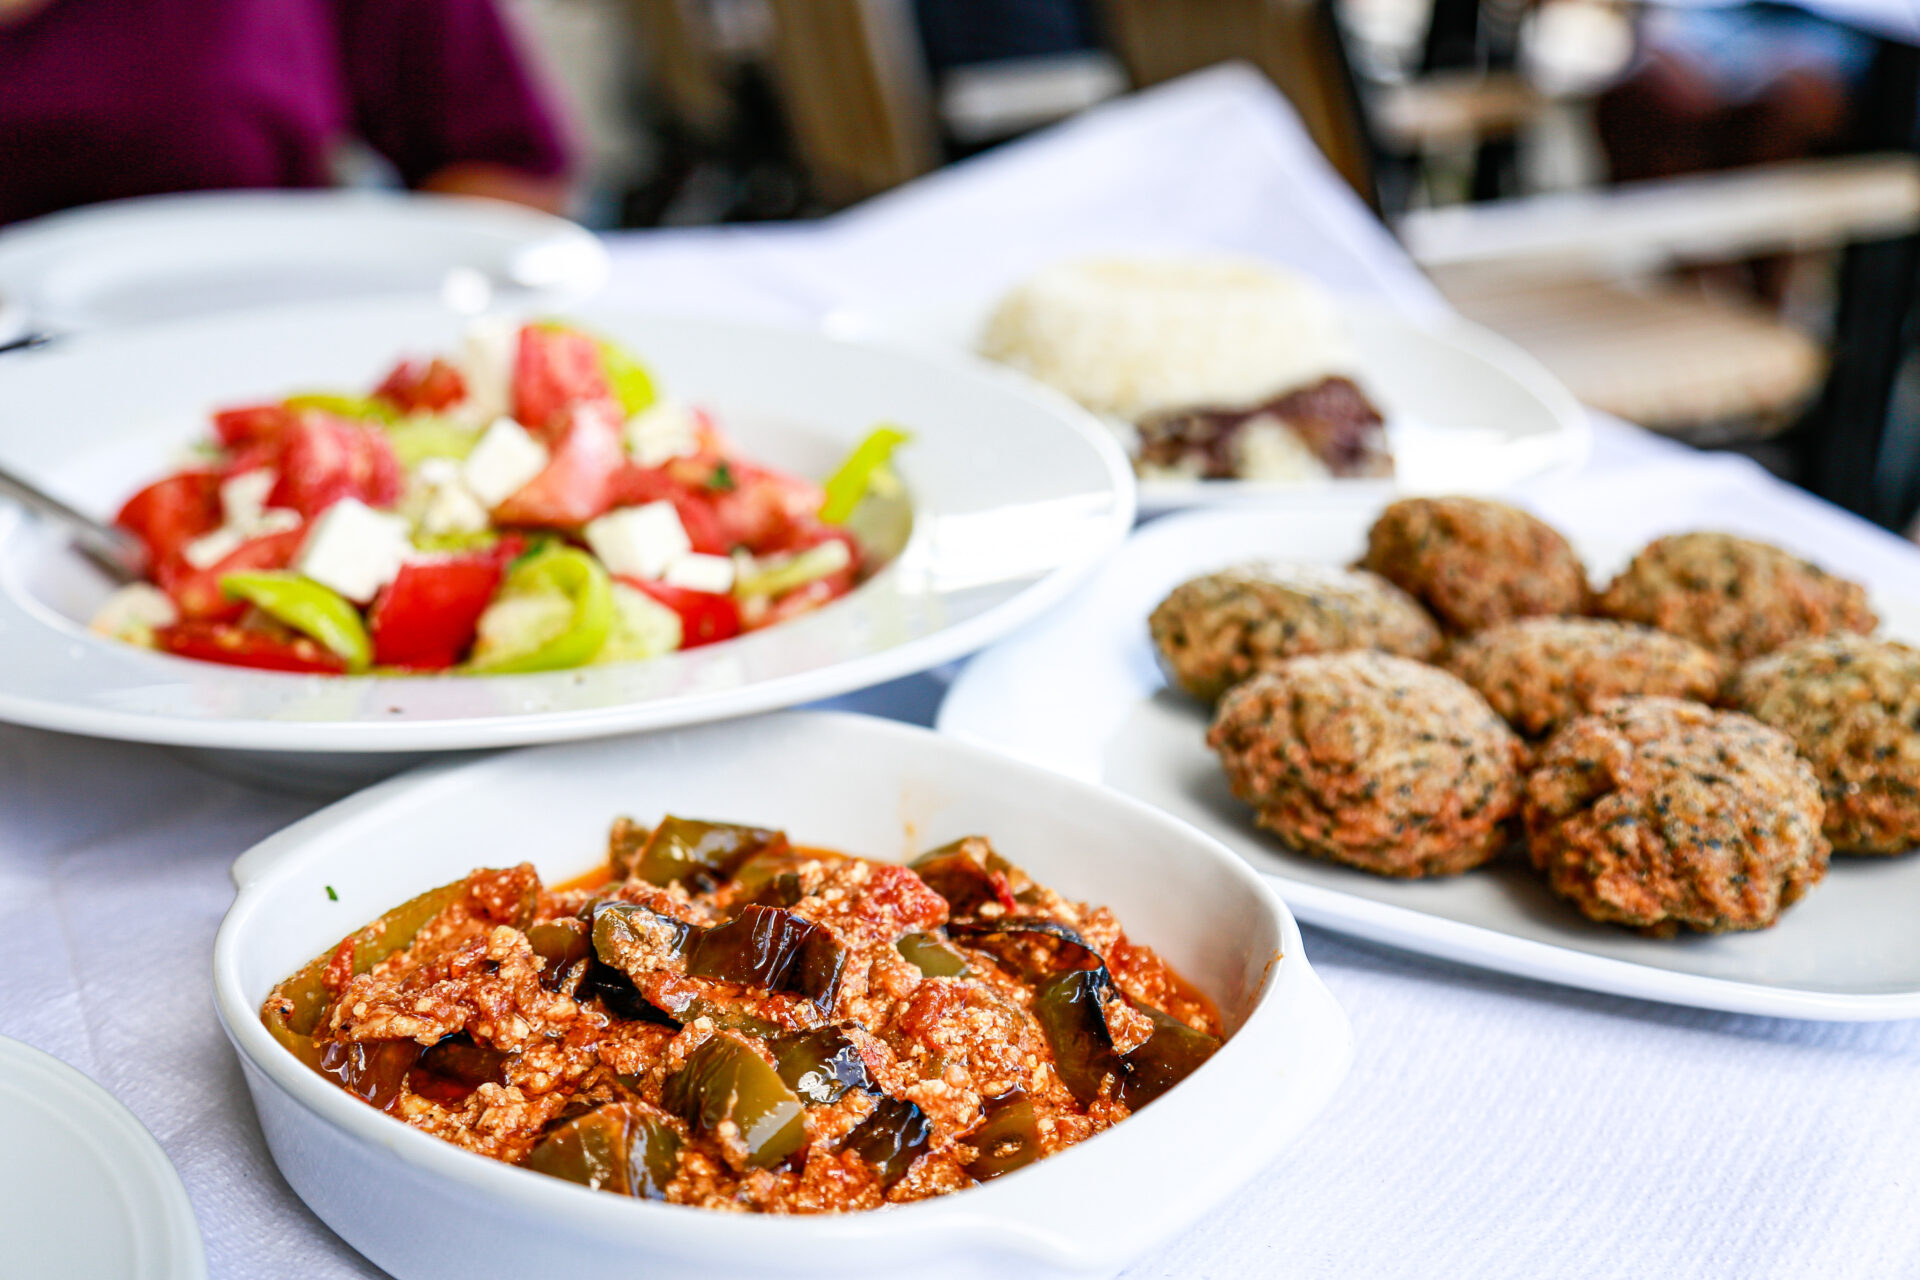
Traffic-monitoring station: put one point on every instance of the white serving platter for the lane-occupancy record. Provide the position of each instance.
(1081, 693)
(165, 258)
(1466, 410)
(84, 1188)
(1017, 495)
(851, 783)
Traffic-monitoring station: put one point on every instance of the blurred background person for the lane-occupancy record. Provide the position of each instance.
(105, 99)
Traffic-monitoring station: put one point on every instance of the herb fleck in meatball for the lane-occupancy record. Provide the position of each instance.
(1852, 705)
(1542, 672)
(1372, 760)
(1657, 813)
(1476, 563)
(1737, 597)
(1214, 631)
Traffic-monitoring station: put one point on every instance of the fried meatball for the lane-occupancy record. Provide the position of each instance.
(1216, 630)
(1852, 705)
(1372, 760)
(1542, 672)
(1737, 597)
(1657, 813)
(1476, 563)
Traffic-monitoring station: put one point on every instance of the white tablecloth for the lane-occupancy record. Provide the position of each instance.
(1490, 1128)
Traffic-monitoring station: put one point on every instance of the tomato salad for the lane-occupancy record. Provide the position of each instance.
(534, 504)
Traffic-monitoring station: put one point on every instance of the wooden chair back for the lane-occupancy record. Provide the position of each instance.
(1297, 43)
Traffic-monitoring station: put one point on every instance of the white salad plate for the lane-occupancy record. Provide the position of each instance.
(84, 1188)
(1016, 496)
(1082, 693)
(159, 258)
(851, 783)
(1466, 410)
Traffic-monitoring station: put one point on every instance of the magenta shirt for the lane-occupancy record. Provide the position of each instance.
(101, 99)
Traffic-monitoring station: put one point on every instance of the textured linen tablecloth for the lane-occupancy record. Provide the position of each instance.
(1491, 1127)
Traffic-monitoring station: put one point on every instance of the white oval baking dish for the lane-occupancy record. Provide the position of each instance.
(422, 1208)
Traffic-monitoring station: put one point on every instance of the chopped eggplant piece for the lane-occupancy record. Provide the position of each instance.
(725, 1080)
(1069, 1007)
(459, 1059)
(620, 996)
(1007, 1139)
(624, 929)
(774, 949)
(757, 875)
(1171, 1054)
(821, 1065)
(624, 845)
(969, 874)
(931, 956)
(1033, 945)
(891, 1138)
(371, 1070)
(701, 854)
(623, 1148)
(561, 946)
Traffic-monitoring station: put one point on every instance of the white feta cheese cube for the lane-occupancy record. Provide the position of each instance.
(438, 471)
(639, 542)
(135, 612)
(209, 549)
(244, 497)
(697, 572)
(504, 460)
(662, 431)
(354, 549)
(451, 508)
(274, 520)
(487, 352)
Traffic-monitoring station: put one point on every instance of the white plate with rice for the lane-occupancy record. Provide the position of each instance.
(1466, 411)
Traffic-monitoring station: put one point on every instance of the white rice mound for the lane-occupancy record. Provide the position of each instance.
(1134, 337)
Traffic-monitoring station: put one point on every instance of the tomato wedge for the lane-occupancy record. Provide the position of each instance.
(424, 620)
(555, 369)
(326, 459)
(238, 646)
(705, 618)
(197, 591)
(577, 484)
(253, 424)
(766, 510)
(414, 388)
(170, 513)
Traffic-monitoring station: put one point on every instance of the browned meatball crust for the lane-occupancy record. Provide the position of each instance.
(1372, 760)
(1216, 630)
(1738, 597)
(1657, 813)
(1852, 705)
(1542, 672)
(1476, 563)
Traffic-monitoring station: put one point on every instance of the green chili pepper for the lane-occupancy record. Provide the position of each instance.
(292, 1012)
(702, 854)
(620, 1148)
(846, 486)
(725, 1080)
(1008, 1138)
(554, 611)
(344, 406)
(1172, 1053)
(630, 380)
(931, 956)
(414, 440)
(309, 608)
